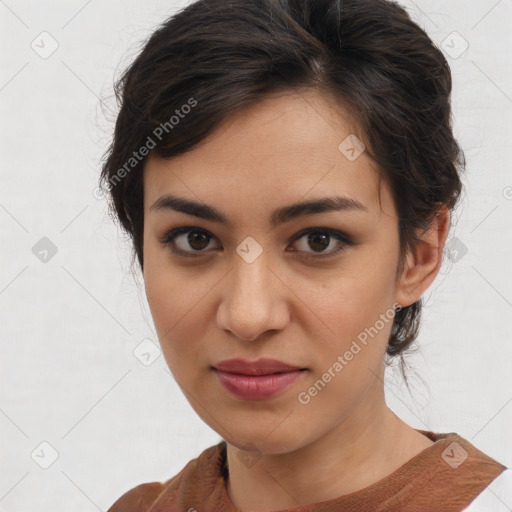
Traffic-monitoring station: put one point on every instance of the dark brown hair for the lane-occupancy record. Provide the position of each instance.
(217, 56)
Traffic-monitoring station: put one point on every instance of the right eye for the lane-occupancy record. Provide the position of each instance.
(196, 238)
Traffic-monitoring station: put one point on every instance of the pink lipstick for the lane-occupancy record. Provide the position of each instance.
(257, 380)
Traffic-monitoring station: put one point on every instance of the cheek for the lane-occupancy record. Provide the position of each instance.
(347, 321)
(350, 301)
(350, 350)
(165, 288)
(161, 293)
(177, 302)
(165, 295)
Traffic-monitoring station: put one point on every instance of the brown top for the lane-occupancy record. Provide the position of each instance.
(449, 474)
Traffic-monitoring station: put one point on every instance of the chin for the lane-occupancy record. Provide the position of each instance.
(258, 441)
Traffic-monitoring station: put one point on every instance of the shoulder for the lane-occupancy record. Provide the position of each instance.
(468, 472)
(497, 496)
(138, 499)
(200, 474)
(452, 471)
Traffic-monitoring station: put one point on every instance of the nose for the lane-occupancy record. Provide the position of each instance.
(254, 300)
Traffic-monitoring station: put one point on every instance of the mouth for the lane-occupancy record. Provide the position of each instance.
(262, 366)
(259, 380)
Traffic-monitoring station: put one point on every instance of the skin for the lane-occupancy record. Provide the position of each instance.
(281, 150)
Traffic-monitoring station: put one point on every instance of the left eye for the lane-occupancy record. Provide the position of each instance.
(321, 239)
(198, 239)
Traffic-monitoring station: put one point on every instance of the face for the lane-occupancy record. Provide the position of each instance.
(315, 291)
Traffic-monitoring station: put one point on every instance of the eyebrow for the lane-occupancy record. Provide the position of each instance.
(279, 216)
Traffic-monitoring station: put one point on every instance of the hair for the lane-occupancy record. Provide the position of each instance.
(214, 57)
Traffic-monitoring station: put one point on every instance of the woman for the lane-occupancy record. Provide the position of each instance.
(286, 171)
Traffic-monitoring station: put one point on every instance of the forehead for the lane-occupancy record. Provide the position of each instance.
(281, 149)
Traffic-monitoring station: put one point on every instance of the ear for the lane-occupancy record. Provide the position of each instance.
(424, 261)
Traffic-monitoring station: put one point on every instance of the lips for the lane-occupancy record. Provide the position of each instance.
(260, 367)
(258, 380)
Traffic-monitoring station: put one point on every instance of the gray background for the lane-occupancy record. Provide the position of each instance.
(71, 321)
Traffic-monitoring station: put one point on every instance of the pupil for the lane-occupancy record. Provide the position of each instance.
(193, 236)
(313, 240)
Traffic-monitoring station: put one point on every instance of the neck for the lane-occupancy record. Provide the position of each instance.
(363, 448)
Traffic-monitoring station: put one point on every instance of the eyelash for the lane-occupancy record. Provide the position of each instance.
(343, 239)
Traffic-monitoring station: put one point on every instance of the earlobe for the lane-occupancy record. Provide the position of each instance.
(424, 261)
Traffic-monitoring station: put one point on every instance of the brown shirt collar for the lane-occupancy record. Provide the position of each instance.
(446, 476)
